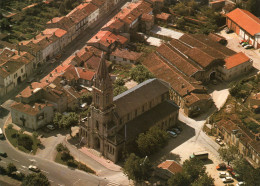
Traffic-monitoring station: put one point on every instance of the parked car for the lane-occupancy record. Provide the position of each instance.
(176, 130)
(240, 183)
(248, 46)
(51, 127)
(224, 174)
(33, 168)
(172, 134)
(3, 154)
(244, 44)
(221, 166)
(201, 155)
(242, 41)
(227, 180)
(1, 134)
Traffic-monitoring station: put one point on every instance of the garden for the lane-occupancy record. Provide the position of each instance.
(24, 142)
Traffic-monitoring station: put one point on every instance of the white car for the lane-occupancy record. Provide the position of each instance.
(33, 168)
(240, 183)
(223, 174)
(227, 179)
(51, 127)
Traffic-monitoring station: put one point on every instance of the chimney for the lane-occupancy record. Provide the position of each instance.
(31, 86)
(32, 92)
(56, 70)
(47, 80)
(96, 37)
(22, 43)
(84, 70)
(34, 37)
(50, 74)
(86, 49)
(182, 86)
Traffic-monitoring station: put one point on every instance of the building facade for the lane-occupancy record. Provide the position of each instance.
(115, 122)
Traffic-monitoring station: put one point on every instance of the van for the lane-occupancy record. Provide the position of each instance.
(202, 155)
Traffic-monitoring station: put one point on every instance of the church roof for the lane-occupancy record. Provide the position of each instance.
(146, 120)
(137, 96)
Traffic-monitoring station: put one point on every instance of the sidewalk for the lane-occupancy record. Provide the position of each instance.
(91, 155)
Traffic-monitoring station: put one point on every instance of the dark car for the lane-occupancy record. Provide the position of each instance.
(228, 31)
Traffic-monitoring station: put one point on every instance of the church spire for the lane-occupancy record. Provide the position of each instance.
(102, 72)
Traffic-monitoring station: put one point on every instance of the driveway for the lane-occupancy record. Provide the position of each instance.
(233, 43)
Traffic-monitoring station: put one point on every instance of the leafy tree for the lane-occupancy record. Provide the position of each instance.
(62, 9)
(119, 82)
(194, 168)
(251, 6)
(136, 168)
(65, 156)
(25, 141)
(181, 9)
(119, 89)
(69, 120)
(139, 73)
(35, 134)
(86, 98)
(33, 179)
(68, 4)
(204, 180)
(180, 23)
(152, 140)
(57, 119)
(10, 126)
(246, 171)
(179, 179)
(228, 154)
(11, 168)
(5, 24)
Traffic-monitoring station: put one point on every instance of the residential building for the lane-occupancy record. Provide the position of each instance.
(107, 41)
(167, 169)
(217, 5)
(247, 143)
(164, 17)
(124, 56)
(244, 24)
(112, 125)
(32, 116)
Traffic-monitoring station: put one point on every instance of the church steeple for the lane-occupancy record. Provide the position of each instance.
(102, 87)
(102, 73)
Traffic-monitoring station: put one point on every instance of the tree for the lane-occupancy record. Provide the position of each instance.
(25, 141)
(139, 73)
(179, 179)
(62, 9)
(180, 23)
(86, 98)
(119, 82)
(228, 154)
(5, 24)
(251, 6)
(136, 168)
(69, 120)
(119, 89)
(2, 170)
(11, 168)
(204, 180)
(68, 4)
(57, 119)
(152, 140)
(194, 168)
(33, 179)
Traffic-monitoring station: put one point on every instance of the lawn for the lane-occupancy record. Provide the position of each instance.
(11, 135)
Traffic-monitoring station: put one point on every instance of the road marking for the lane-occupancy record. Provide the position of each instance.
(45, 171)
(15, 160)
(24, 167)
(32, 160)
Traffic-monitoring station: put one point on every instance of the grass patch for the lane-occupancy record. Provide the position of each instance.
(12, 136)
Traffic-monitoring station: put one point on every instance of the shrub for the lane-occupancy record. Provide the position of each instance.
(2, 170)
(10, 126)
(72, 163)
(85, 168)
(35, 134)
(25, 141)
(11, 168)
(60, 147)
(65, 156)
(15, 135)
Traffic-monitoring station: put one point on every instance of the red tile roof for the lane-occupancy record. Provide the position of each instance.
(147, 17)
(123, 53)
(171, 166)
(29, 109)
(163, 16)
(236, 60)
(245, 20)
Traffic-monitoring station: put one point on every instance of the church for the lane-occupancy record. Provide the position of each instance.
(116, 122)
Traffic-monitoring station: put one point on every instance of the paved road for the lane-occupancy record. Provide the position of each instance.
(57, 174)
